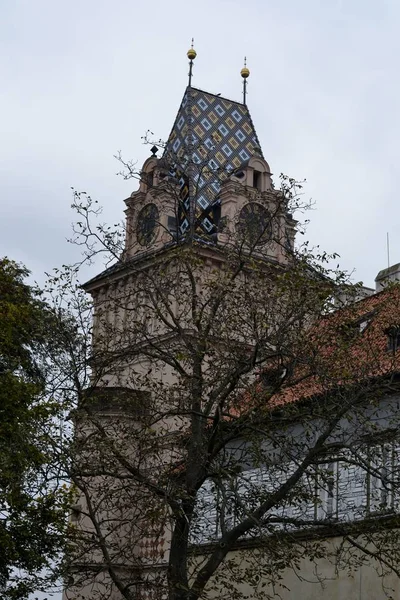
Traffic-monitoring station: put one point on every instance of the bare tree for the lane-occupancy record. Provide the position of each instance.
(228, 423)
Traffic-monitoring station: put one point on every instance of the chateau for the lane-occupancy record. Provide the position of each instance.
(234, 442)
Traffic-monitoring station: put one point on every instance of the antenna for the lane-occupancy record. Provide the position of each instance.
(387, 247)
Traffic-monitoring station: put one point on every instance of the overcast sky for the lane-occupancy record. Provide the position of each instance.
(82, 79)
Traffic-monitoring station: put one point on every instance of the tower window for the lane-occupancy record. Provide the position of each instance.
(150, 179)
(257, 180)
(172, 226)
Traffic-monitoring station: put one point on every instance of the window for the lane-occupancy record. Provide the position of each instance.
(346, 486)
(216, 212)
(172, 226)
(150, 179)
(226, 514)
(382, 471)
(205, 523)
(326, 481)
(393, 335)
(257, 180)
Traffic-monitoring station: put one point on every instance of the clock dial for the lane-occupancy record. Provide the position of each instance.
(255, 224)
(147, 224)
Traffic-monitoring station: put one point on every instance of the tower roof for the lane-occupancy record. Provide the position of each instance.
(217, 136)
(222, 128)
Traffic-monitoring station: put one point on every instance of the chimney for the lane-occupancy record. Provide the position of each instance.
(386, 276)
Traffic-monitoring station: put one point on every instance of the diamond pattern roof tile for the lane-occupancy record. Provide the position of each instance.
(220, 136)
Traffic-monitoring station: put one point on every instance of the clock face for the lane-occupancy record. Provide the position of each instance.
(255, 224)
(147, 224)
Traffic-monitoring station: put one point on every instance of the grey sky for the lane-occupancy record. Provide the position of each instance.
(83, 79)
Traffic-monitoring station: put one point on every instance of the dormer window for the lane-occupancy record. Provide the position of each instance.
(393, 338)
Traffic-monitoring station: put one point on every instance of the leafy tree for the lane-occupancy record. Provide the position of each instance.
(32, 507)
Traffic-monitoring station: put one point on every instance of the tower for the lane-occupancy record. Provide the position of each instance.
(206, 205)
(211, 179)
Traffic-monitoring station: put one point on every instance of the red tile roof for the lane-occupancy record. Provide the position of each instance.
(348, 347)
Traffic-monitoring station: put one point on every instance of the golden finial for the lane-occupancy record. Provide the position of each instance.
(191, 54)
(244, 73)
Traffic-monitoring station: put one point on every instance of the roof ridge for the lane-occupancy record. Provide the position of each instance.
(375, 294)
(219, 96)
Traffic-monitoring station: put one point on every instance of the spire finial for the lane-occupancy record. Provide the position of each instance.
(191, 54)
(244, 73)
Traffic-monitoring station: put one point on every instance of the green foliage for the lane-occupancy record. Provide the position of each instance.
(32, 508)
